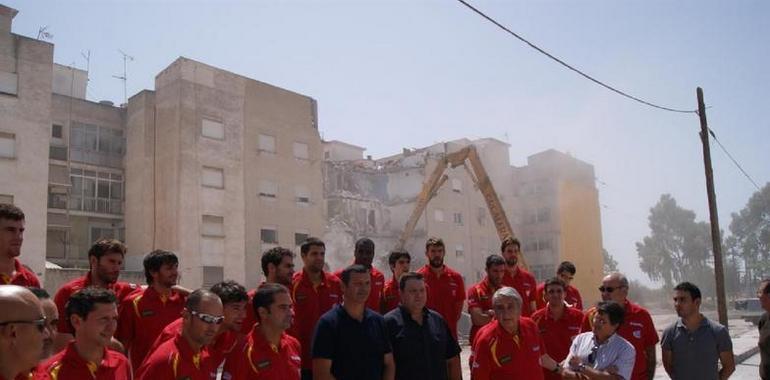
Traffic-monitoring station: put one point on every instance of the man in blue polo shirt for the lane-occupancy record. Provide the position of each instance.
(423, 345)
(693, 344)
(350, 341)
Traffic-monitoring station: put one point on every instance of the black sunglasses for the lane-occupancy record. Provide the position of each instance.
(609, 289)
(208, 318)
(39, 323)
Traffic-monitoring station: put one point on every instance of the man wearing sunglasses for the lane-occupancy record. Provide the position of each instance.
(601, 353)
(12, 272)
(22, 331)
(93, 314)
(637, 327)
(184, 357)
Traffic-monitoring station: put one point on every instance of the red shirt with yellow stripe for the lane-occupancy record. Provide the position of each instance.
(310, 303)
(142, 317)
(259, 359)
(557, 334)
(637, 328)
(21, 276)
(121, 289)
(498, 354)
(480, 296)
(224, 343)
(69, 365)
(175, 359)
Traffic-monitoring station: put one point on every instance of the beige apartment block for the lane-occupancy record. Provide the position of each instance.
(221, 168)
(26, 67)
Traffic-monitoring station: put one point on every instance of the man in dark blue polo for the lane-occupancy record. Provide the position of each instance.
(693, 344)
(423, 345)
(350, 341)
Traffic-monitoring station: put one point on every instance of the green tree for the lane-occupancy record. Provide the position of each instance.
(751, 230)
(610, 264)
(678, 247)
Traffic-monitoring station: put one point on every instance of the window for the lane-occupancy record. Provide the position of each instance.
(268, 235)
(543, 215)
(103, 232)
(482, 216)
(300, 151)
(57, 131)
(213, 177)
(212, 275)
(96, 191)
(7, 145)
(212, 225)
(268, 189)
(371, 221)
(327, 155)
(6, 198)
(458, 218)
(57, 197)
(459, 251)
(97, 145)
(438, 215)
(212, 129)
(266, 143)
(9, 83)
(300, 237)
(57, 153)
(56, 244)
(302, 195)
(457, 185)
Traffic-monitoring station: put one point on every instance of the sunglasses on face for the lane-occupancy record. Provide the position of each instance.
(608, 289)
(39, 323)
(208, 318)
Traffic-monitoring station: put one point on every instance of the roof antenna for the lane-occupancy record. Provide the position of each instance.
(124, 78)
(42, 33)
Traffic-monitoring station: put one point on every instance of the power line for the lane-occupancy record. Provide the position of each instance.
(592, 79)
(714, 136)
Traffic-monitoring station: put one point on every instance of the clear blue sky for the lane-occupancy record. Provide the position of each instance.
(395, 74)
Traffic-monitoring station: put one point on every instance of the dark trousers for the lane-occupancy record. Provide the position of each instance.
(307, 374)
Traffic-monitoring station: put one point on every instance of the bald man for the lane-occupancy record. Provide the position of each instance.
(22, 331)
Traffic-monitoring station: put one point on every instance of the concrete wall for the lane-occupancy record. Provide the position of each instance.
(69, 81)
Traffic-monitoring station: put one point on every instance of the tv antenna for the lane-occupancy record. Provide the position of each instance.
(124, 78)
(42, 33)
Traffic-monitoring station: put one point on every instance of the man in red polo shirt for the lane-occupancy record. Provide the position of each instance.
(145, 313)
(558, 324)
(105, 258)
(446, 289)
(183, 357)
(12, 272)
(517, 277)
(364, 255)
(314, 292)
(278, 268)
(565, 273)
(93, 313)
(480, 295)
(399, 264)
(510, 347)
(269, 353)
(637, 327)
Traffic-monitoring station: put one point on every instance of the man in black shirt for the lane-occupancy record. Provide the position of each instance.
(350, 342)
(423, 346)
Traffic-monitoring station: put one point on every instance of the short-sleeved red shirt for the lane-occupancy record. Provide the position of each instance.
(637, 328)
(571, 296)
(391, 296)
(175, 359)
(121, 289)
(557, 334)
(480, 296)
(310, 303)
(446, 294)
(260, 360)
(222, 345)
(498, 354)
(524, 283)
(375, 294)
(69, 365)
(21, 277)
(143, 316)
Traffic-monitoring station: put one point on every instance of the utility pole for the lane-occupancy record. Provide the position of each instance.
(716, 239)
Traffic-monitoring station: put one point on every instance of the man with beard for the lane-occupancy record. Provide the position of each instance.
(183, 357)
(399, 264)
(350, 341)
(693, 345)
(565, 273)
(558, 324)
(22, 331)
(278, 268)
(446, 289)
(637, 327)
(12, 272)
(235, 301)
(51, 320)
(517, 277)
(364, 255)
(144, 314)
(93, 314)
(105, 259)
(480, 295)
(314, 292)
(269, 353)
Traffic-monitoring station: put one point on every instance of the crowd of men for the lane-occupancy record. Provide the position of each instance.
(348, 325)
